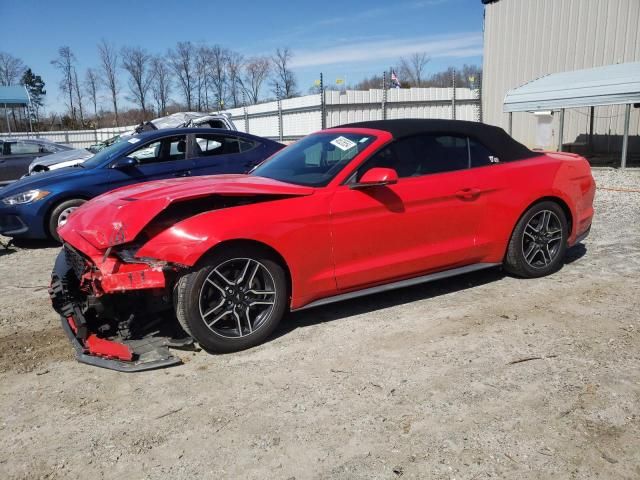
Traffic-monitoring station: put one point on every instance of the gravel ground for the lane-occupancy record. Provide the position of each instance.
(481, 376)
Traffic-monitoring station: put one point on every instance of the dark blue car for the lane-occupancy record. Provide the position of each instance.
(35, 206)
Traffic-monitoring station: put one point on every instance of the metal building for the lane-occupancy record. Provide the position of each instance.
(525, 40)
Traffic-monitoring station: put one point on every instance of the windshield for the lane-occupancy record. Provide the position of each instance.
(108, 153)
(315, 160)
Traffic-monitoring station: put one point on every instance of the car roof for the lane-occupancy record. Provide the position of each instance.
(494, 138)
(28, 140)
(167, 132)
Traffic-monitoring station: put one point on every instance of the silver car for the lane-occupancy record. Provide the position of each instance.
(17, 153)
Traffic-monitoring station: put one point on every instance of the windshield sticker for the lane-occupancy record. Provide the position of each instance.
(343, 143)
(133, 140)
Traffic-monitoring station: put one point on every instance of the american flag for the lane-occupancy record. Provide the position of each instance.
(395, 83)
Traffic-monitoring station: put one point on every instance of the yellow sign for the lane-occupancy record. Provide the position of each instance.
(339, 81)
(316, 83)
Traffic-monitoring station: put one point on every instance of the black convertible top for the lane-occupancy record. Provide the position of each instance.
(494, 138)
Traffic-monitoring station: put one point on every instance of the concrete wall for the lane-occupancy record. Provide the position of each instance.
(526, 39)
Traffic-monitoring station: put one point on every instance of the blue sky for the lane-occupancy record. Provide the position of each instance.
(342, 39)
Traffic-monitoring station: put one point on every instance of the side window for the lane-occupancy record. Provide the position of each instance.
(165, 150)
(177, 147)
(480, 156)
(384, 158)
(246, 144)
(421, 155)
(148, 153)
(23, 148)
(207, 145)
(447, 153)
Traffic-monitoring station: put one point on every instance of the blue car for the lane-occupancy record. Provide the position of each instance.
(34, 207)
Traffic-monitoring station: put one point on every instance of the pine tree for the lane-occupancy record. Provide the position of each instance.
(35, 87)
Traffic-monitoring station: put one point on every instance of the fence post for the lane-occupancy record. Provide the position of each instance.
(384, 95)
(480, 97)
(246, 112)
(323, 106)
(453, 97)
(66, 137)
(280, 135)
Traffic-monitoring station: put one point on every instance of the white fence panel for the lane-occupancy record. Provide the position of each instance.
(295, 117)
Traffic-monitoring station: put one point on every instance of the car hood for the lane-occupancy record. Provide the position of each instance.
(79, 154)
(118, 216)
(41, 180)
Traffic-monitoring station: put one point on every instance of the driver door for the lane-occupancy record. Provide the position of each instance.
(158, 159)
(421, 224)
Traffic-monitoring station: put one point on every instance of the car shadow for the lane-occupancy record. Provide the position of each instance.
(392, 298)
(575, 253)
(35, 244)
(401, 296)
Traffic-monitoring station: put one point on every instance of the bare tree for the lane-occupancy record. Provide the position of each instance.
(11, 69)
(66, 64)
(91, 85)
(375, 81)
(218, 74)
(79, 95)
(284, 81)
(182, 62)
(109, 65)
(412, 68)
(256, 70)
(161, 85)
(202, 60)
(137, 62)
(234, 72)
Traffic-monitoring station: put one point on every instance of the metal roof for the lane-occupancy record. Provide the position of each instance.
(608, 85)
(13, 96)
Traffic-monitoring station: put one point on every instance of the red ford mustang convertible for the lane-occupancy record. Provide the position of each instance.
(344, 212)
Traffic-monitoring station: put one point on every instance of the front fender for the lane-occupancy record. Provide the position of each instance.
(296, 228)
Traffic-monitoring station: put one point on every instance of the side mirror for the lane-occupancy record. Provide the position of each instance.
(124, 163)
(377, 177)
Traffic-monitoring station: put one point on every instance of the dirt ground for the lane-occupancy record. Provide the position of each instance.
(481, 376)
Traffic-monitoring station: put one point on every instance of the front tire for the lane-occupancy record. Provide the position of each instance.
(60, 214)
(234, 300)
(539, 241)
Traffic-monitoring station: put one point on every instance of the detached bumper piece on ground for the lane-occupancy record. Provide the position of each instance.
(139, 342)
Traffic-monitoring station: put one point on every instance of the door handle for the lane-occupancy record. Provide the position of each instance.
(183, 174)
(468, 193)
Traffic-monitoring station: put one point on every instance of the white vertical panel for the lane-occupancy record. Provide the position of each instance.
(527, 39)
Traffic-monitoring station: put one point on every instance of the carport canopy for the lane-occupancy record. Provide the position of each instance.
(14, 96)
(608, 85)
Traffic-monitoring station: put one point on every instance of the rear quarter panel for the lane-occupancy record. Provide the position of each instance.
(515, 186)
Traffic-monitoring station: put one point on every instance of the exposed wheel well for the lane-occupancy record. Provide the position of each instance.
(256, 245)
(558, 200)
(563, 205)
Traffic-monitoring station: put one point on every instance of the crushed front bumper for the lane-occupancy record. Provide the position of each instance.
(145, 348)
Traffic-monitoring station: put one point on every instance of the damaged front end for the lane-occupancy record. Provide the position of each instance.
(117, 312)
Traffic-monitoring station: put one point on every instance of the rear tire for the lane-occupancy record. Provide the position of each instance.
(539, 241)
(60, 214)
(233, 301)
